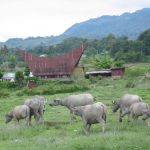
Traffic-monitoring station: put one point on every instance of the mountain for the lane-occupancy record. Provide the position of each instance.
(127, 24)
(31, 42)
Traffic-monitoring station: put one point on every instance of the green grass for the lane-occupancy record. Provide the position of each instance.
(59, 134)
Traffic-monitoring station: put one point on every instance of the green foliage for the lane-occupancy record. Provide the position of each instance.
(19, 78)
(1, 75)
(12, 62)
(36, 79)
(57, 133)
(55, 87)
(7, 84)
(60, 48)
(119, 63)
(27, 71)
(145, 38)
(133, 56)
(102, 61)
(136, 70)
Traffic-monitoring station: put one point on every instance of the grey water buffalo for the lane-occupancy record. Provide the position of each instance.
(140, 109)
(124, 104)
(73, 101)
(19, 112)
(37, 107)
(91, 114)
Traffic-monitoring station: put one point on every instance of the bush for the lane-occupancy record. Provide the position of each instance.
(19, 78)
(7, 84)
(54, 87)
(119, 63)
(1, 75)
(27, 71)
(102, 61)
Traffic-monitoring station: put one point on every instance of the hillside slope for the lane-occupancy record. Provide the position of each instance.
(127, 24)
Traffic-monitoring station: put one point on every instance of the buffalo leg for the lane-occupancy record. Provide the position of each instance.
(88, 127)
(85, 126)
(102, 123)
(120, 114)
(27, 120)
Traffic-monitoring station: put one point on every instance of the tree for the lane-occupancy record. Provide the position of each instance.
(102, 61)
(145, 38)
(19, 77)
(1, 75)
(27, 71)
(4, 53)
(12, 62)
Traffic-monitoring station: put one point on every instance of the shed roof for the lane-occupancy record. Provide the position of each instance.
(8, 76)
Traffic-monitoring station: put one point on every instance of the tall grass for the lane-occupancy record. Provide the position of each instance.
(58, 133)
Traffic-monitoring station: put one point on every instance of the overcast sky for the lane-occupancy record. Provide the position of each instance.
(23, 18)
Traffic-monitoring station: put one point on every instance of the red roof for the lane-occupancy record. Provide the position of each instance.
(53, 66)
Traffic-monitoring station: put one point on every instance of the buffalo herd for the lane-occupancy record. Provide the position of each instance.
(83, 105)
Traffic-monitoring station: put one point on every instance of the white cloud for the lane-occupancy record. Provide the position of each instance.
(23, 18)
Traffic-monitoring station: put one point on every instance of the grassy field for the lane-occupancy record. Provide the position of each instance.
(59, 134)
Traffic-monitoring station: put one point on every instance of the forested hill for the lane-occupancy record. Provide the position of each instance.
(127, 24)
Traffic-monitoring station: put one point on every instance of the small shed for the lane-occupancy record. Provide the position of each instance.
(31, 84)
(118, 71)
(102, 72)
(113, 72)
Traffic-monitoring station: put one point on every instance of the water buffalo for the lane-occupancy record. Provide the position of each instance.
(91, 114)
(73, 101)
(124, 104)
(140, 109)
(19, 112)
(37, 107)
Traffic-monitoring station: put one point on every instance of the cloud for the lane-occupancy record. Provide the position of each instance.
(23, 18)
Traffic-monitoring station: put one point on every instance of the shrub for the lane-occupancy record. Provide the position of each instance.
(7, 84)
(119, 63)
(27, 71)
(54, 87)
(19, 78)
(102, 61)
(1, 75)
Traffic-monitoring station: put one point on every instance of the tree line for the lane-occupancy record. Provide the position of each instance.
(119, 49)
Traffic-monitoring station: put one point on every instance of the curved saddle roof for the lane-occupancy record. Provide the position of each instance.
(55, 65)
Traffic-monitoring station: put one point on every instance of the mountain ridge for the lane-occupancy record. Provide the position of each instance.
(126, 24)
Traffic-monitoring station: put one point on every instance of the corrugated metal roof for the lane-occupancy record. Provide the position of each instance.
(8, 76)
